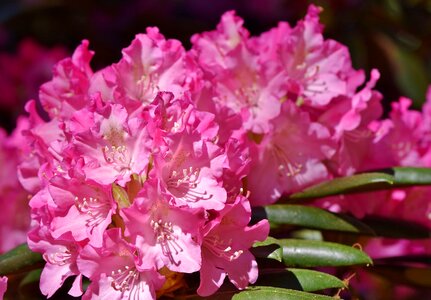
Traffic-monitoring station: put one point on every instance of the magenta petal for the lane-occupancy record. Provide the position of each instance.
(53, 277)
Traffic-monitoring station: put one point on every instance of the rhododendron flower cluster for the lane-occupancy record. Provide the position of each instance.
(132, 185)
(147, 169)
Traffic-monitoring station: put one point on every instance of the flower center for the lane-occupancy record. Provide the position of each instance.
(222, 248)
(95, 209)
(184, 185)
(166, 238)
(60, 258)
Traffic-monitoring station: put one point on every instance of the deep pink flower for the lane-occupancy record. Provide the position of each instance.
(115, 272)
(236, 78)
(397, 140)
(191, 164)
(67, 91)
(317, 70)
(225, 248)
(291, 157)
(166, 235)
(113, 146)
(89, 209)
(149, 65)
(59, 253)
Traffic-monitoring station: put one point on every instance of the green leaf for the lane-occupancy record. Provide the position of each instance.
(263, 292)
(313, 217)
(366, 182)
(269, 248)
(298, 279)
(344, 185)
(408, 176)
(20, 259)
(312, 253)
(309, 253)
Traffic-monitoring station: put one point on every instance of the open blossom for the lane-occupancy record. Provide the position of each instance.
(112, 145)
(291, 157)
(239, 83)
(89, 208)
(115, 272)
(316, 70)
(190, 163)
(166, 235)
(68, 89)
(151, 64)
(225, 248)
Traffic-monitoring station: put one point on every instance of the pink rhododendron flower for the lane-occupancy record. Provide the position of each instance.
(149, 65)
(236, 78)
(291, 157)
(115, 272)
(225, 248)
(3, 286)
(316, 70)
(113, 146)
(166, 235)
(89, 209)
(67, 91)
(191, 164)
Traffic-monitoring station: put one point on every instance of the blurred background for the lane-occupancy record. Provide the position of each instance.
(391, 35)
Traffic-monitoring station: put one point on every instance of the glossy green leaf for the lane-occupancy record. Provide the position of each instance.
(313, 217)
(263, 292)
(268, 249)
(20, 259)
(365, 182)
(298, 279)
(309, 253)
(344, 185)
(408, 176)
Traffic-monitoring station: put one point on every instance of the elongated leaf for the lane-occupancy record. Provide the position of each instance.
(298, 279)
(407, 176)
(19, 260)
(344, 185)
(263, 292)
(365, 182)
(313, 217)
(268, 249)
(308, 253)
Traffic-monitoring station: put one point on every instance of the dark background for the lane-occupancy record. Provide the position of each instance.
(391, 35)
